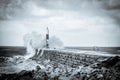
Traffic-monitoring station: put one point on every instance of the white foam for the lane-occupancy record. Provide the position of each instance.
(35, 41)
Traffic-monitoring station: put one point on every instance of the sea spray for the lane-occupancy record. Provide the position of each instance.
(34, 41)
(55, 42)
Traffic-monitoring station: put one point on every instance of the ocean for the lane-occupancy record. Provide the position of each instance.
(9, 51)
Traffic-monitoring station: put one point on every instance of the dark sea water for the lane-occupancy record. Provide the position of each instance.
(12, 50)
(112, 50)
(18, 50)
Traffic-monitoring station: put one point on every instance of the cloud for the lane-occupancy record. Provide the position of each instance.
(77, 23)
(11, 34)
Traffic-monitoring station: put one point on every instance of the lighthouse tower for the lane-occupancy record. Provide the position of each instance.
(47, 38)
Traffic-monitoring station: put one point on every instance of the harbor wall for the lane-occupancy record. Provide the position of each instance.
(68, 58)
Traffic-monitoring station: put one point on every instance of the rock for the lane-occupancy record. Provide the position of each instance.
(110, 62)
(23, 75)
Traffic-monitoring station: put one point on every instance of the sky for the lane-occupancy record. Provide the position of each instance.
(75, 22)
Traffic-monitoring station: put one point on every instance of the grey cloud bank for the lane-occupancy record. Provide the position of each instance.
(75, 22)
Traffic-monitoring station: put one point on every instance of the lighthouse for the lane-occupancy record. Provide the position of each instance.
(47, 38)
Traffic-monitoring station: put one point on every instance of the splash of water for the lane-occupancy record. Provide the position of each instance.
(35, 41)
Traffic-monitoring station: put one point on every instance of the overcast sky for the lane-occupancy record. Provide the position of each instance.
(75, 22)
